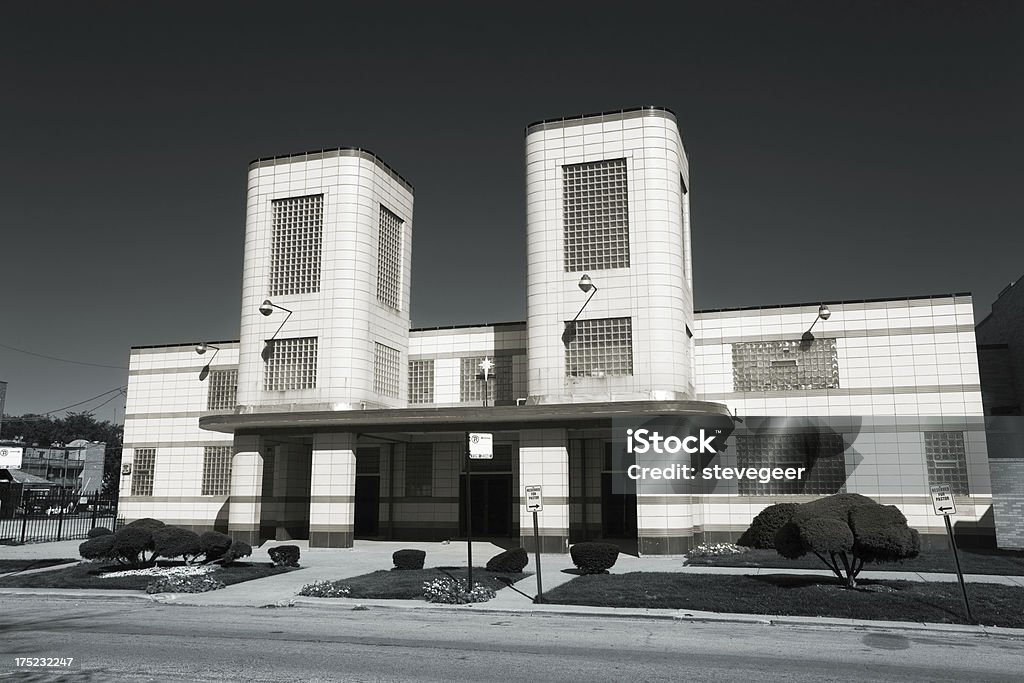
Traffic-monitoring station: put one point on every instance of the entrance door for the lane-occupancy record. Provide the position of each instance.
(367, 508)
(492, 505)
(618, 511)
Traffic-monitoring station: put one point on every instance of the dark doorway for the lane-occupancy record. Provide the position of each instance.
(492, 505)
(618, 511)
(367, 504)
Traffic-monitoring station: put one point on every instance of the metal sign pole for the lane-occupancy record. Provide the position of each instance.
(959, 572)
(469, 513)
(536, 542)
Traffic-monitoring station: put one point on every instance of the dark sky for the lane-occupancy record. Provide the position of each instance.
(838, 151)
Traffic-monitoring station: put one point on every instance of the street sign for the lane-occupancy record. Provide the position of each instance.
(534, 501)
(481, 446)
(942, 499)
(10, 457)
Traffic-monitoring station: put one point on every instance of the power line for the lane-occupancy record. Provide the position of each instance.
(46, 415)
(63, 360)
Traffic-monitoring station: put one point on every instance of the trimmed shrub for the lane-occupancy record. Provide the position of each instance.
(145, 523)
(214, 544)
(99, 531)
(172, 541)
(763, 528)
(131, 545)
(845, 531)
(409, 559)
(98, 548)
(452, 591)
(594, 558)
(195, 583)
(237, 550)
(325, 589)
(285, 555)
(511, 561)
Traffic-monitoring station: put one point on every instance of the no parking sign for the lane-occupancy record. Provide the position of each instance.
(10, 457)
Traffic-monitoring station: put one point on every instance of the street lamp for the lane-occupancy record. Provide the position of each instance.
(586, 285)
(266, 309)
(823, 314)
(201, 348)
(486, 366)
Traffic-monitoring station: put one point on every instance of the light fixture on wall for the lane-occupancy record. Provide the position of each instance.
(586, 285)
(202, 348)
(823, 314)
(267, 308)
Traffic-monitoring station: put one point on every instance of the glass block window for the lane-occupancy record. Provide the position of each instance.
(596, 215)
(785, 365)
(946, 456)
(142, 471)
(386, 370)
(602, 347)
(291, 364)
(389, 259)
(419, 470)
(471, 387)
(822, 455)
(295, 249)
(216, 470)
(223, 390)
(421, 381)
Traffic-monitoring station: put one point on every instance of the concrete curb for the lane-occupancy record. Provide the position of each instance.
(682, 616)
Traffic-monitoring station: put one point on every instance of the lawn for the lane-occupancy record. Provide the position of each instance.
(87, 575)
(22, 565)
(999, 562)
(808, 596)
(407, 584)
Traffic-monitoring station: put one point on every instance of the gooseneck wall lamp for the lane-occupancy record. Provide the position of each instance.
(586, 285)
(823, 314)
(267, 308)
(202, 348)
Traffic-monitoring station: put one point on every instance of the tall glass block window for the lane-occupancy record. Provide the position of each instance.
(291, 364)
(419, 470)
(223, 390)
(295, 246)
(596, 215)
(471, 385)
(946, 456)
(216, 470)
(601, 347)
(821, 455)
(143, 467)
(386, 370)
(785, 365)
(389, 259)
(421, 381)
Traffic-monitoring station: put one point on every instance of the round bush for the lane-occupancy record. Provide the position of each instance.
(99, 531)
(511, 561)
(285, 555)
(594, 558)
(98, 548)
(763, 528)
(131, 544)
(145, 523)
(409, 559)
(238, 549)
(214, 544)
(172, 541)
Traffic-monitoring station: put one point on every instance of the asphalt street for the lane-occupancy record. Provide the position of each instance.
(135, 640)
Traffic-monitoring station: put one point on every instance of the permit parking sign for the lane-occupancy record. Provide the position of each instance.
(481, 446)
(10, 457)
(942, 499)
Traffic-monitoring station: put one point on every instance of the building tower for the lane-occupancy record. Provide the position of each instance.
(607, 198)
(328, 238)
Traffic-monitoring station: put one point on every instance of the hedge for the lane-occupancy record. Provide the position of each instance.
(594, 558)
(511, 561)
(409, 559)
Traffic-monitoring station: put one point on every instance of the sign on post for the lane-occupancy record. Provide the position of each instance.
(10, 457)
(534, 501)
(942, 499)
(481, 446)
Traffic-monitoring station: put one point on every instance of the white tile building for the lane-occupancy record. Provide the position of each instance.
(330, 419)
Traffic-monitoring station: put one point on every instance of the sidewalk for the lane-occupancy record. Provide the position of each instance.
(368, 556)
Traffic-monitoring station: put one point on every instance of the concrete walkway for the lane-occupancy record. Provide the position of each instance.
(368, 556)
